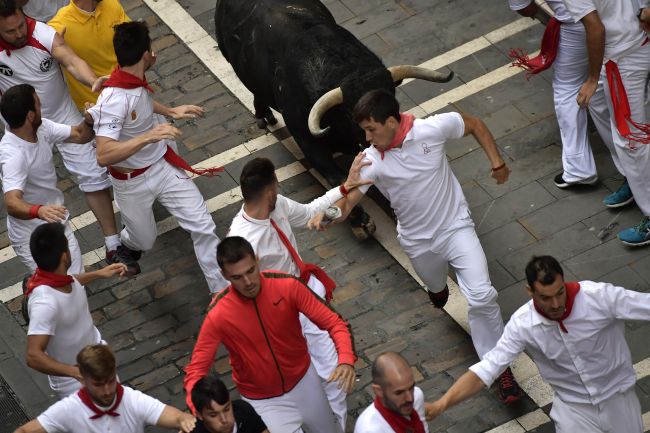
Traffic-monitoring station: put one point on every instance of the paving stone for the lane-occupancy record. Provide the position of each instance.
(177, 282)
(129, 303)
(510, 207)
(394, 345)
(155, 377)
(123, 323)
(562, 245)
(138, 283)
(499, 276)
(99, 300)
(449, 358)
(140, 350)
(137, 368)
(172, 353)
(609, 222)
(505, 239)
(513, 297)
(154, 327)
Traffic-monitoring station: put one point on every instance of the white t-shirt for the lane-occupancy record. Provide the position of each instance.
(66, 318)
(287, 214)
(32, 65)
(622, 32)
(71, 415)
(371, 421)
(43, 10)
(559, 10)
(417, 179)
(28, 167)
(122, 114)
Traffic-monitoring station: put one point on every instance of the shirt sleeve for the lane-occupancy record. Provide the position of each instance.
(42, 316)
(246, 416)
(45, 35)
(509, 346)
(202, 358)
(517, 5)
(299, 214)
(326, 319)
(149, 409)
(56, 132)
(13, 169)
(418, 405)
(109, 114)
(448, 125)
(580, 8)
(624, 304)
(53, 419)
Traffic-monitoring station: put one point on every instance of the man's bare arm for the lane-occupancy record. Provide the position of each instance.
(112, 152)
(466, 386)
(31, 427)
(480, 131)
(17, 207)
(40, 361)
(78, 68)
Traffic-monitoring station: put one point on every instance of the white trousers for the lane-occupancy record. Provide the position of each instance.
(569, 73)
(180, 196)
(303, 409)
(81, 161)
(324, 357)
(620, 413)
(460, 248)
(76, 267)
(634, 163)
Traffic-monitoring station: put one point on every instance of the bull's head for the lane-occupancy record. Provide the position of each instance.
(335, 96)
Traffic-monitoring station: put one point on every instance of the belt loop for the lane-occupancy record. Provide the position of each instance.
(128, 175)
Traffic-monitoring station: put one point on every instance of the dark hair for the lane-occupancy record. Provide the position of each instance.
(46, 244)
(233, 249)
(256, 176)
(8, 8)
(207, 389)
(131, 41)
(378, 104)
(542, 269)
(16, 102)
(97, 362)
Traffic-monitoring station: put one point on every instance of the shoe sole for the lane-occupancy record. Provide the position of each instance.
(510, 399)
(621, 204)
(639, 244)
(569, 185)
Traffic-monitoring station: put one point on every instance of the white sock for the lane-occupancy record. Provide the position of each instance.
(112, 242)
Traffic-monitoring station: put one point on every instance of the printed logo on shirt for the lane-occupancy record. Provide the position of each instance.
(276, 303)
(425, 148)
(115, 123)
(6, 70)
(46, 64)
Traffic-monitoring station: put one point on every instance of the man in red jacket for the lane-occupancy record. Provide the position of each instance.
(256, 318)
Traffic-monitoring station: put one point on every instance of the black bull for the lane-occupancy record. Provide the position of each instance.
(289, 53)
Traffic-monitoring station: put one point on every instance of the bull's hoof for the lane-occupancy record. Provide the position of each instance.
(261, 123)
(271, 120)
(364, 230)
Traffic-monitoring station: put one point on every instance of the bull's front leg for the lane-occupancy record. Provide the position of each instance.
(263, 114)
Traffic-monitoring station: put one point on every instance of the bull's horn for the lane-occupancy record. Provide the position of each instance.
(408, 71)
(328, 100)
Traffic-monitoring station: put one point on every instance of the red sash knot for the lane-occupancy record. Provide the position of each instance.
(547, 54)
(399, 423)
(85, 398)
(45, 278)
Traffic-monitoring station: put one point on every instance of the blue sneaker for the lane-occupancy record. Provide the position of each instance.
(623, 196)
(636, 236)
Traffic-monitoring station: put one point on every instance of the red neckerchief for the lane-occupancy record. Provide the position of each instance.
(621, 106)
(125, 80)
(405, 125)
(572, 290)
(307, 269)
(88, 401)
(31, 41)
(547, 53)
(399, 423)
(46, 278)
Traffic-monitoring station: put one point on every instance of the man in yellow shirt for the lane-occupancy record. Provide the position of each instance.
(87, 27)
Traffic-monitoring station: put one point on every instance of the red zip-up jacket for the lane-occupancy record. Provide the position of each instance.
(268, 352)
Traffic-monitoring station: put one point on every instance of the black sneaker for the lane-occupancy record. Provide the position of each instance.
(509, 391)
(439, 299)
(561, 183)
(129, 257)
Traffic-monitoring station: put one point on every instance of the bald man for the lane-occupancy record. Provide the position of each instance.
(399, 404)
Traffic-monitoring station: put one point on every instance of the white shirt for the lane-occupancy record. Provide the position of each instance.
(66, 318)
(622, 32)
(70, 415)
(122, 114)
(32, 65)
(588, 364)
(287, 214)
(28, 167)
(557, 6)
(371, 421)
(417, 179)
(43, 10)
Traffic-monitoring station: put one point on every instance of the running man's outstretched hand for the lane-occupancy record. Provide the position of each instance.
(186, 112)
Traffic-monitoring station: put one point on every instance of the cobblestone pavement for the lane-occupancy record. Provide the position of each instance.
(151, 321)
